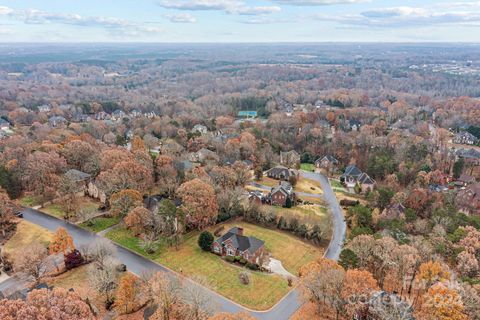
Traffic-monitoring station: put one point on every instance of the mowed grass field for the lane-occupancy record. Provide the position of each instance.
(265, 289)
(26, 234)
(308, 186)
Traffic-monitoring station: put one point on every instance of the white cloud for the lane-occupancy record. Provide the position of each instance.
(404, 16)
(228, 6)
(181, 18)
(318, 2)
(113, 25)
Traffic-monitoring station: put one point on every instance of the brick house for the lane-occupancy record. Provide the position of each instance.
(468, 200)
(281, 173)
(281, 193)
(235, 244)
(328, 163)
(353, 176)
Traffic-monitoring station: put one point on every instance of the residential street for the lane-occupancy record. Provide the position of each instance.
(138, 264)
(339, 225)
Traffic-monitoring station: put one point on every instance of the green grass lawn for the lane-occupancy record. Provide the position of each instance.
(99, 224)
(307, 167)
(264, 290)
(29, 201)
(55, 210)
(126, 238)
(26, 234)
(336, 184)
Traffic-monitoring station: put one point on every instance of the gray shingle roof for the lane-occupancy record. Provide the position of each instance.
(242, 243)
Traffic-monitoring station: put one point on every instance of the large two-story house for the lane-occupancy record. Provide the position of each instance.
(465, 138)
(468, 200)
(328, 162)
(235, 244)
(281, 173)
(281, 194)
(353, 176)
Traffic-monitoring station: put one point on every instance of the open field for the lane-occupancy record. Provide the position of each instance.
(85, 204)
(26, 234)
(29, 201)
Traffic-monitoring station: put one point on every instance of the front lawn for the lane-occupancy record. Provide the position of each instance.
(307, 167)
(293, 252)
(264, 290)
(99, 224)
(29, 201)
(26, 234)
(55, 210)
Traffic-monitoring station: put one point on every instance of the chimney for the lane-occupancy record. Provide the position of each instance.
(240, 231)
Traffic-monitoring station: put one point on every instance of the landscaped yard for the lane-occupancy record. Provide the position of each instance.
(307, 167)
(99, 224)
(26, 234)
(264, 290)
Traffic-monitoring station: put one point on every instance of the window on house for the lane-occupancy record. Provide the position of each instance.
(230, 252)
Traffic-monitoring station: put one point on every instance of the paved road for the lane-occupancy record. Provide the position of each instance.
(138, 264)
(339, 225)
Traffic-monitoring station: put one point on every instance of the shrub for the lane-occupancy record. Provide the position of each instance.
(252, 266)
(73, 259)
(244, 278)
(230, 259)
(223, 216)
(348, 259)
(218, 231)
(237, 258)
(205, 241)
(242, 261)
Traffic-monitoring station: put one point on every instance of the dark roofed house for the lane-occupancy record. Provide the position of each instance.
(468, 200)
(235, 244)
(57, 121)
(4, 124)
(465, 138)
(394, 211)
(466, 179)
(328, 163)
(353, 176)
(281, 173)
(81, 179)
(281, 194)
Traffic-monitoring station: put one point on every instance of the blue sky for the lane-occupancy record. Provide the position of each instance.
(238, 21)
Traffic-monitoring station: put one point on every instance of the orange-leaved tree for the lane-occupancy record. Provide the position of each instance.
(199, 202)
(62, 242)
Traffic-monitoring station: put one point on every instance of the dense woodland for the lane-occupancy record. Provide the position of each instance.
(366, 105)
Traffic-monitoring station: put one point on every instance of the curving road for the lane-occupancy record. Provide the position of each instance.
(138, 264)
(339, 225)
